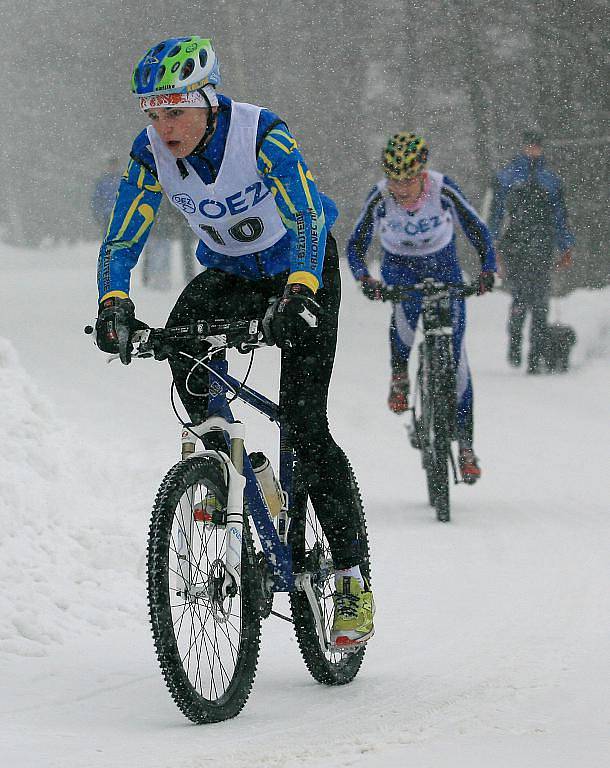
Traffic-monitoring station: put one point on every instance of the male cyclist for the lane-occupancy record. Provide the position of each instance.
(414, 211)
(236, 174)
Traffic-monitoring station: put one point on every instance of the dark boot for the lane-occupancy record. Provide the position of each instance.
(533, 365)
(515, 332)
(514, 353)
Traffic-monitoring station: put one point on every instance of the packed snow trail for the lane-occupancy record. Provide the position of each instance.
(491, 631)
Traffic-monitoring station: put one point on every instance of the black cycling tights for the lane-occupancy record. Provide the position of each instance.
(305, 377)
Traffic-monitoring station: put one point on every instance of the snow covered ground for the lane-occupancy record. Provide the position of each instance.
(492, 631)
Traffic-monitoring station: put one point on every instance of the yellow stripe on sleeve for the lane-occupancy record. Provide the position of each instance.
(282, 190)
(279, 144)
(266, 161)
(148, 214)
(287, 221)
(284, 136)
(128, 216)
(305, 185)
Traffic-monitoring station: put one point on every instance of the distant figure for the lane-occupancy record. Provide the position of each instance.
(156, 258)
(186, 241)
(104, 193)
(528, 202)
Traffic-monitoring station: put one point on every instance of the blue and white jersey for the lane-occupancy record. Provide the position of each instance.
(236, 214)
(417, 234)
(293, 237)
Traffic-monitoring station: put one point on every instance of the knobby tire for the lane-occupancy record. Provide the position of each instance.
(311, 553)
(207, 646)
(442, 407)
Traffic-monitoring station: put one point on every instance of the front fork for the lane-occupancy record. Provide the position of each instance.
(236, 482)
(233, 467)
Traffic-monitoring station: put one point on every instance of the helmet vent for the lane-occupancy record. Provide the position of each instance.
(175, 66)
(160, 73)
(187, 69)
(203, 57)
(174, 51)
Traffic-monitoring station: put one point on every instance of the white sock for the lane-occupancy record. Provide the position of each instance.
(355, 572)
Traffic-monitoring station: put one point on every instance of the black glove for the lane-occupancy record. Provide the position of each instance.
(116, 320)
(288, 319)
(371, 288)
(486, 282)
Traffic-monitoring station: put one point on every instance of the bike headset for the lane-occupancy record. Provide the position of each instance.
(202, 362)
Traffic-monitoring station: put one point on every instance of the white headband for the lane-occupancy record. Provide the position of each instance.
(192, 99)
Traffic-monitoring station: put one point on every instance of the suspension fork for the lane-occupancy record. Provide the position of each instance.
(236, 482)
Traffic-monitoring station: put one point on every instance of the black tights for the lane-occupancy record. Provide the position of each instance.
(305, 377)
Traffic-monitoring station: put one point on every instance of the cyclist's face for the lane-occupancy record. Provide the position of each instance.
(406, 190)
(532, 150)
(180, 129)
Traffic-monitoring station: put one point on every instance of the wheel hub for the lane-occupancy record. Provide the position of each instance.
(220, 603)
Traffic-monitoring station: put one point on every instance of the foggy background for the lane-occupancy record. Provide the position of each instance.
(469, 76)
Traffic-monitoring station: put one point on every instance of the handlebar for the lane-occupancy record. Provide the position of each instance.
(243, 335)
(432, 289)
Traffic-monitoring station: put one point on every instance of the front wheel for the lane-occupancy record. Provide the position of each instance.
(424, 429)
(434, 429)
(440, 455)
(207, 640)
(311, 554)
(443, 410)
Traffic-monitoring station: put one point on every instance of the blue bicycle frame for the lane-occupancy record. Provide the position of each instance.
(277, 552)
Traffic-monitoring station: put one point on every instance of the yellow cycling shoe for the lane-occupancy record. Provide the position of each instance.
(354, 611)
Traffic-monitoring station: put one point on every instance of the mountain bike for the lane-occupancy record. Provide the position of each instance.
(434, 409)
(222, 542)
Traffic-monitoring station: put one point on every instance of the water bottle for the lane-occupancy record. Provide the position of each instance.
(265, 476)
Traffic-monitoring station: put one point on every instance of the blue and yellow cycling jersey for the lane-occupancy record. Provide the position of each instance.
(306, 214)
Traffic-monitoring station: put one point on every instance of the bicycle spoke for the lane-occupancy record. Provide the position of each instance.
(207, 642)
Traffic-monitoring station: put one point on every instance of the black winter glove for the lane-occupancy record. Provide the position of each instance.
(371, 288)
(486, 282)
(116, 320)
(288, 319)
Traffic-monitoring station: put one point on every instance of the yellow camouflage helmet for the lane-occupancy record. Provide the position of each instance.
(404, 156)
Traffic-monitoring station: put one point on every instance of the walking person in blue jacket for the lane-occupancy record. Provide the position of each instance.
(414, 211)
(529, 222)
(104, 193)
(236, 174)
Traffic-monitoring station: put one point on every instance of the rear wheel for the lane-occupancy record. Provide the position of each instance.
(311, 554)
(207, 641)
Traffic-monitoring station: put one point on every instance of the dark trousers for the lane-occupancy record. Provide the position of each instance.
(529, 267)
(539, 308)
(305, 377)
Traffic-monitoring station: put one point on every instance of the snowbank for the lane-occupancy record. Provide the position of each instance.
(69, 550)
